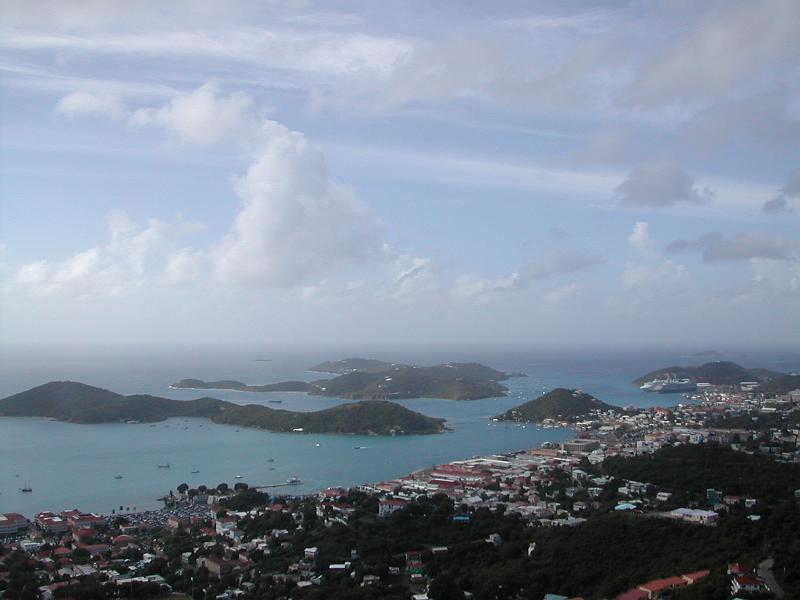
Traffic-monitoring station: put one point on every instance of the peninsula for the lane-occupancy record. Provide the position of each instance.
(80, 403)
(560, 404)
(368, 379)
(715, 373)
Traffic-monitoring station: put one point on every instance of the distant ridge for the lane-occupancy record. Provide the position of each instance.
(80, 403)
(560, 404)
(715, 373)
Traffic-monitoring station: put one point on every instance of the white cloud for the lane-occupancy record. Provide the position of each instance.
(296, 223)
(88, 104)
(559, 260)
(639, 239)
(202, 116)
(657, 184)
(473, 286)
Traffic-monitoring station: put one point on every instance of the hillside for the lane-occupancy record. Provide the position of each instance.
(560, 404)
(715, 373)
(780, 385)
(453, 381)
(347, 365)
(81, 403)
(226, 384)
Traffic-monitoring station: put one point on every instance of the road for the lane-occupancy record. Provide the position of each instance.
(765, 572)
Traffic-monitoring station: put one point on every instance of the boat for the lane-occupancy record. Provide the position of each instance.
(164, 466)
(669, 386)
(117, 476)
(357, 447)
(195, 472)
(238, 476)
(293, 481)
(270, 460)
(318, 444)
(26, 488)
(275, 401)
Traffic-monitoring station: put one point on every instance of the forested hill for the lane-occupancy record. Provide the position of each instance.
(81, 403)
(368, 379)
(560, 404)
(715, 373)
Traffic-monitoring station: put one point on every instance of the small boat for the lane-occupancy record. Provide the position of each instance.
(276, 401)
(318, 444)
(357, 447)
(270, 460)
(117, 476)
(293, 481)
(164, 466)
(238, 476)
(195, 472)
(27, 488)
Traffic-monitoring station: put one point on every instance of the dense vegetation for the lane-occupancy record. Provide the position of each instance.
(454, 381)
(80, 403)
(560, 403)
(716, 373)
(697, 467)
(781, 385)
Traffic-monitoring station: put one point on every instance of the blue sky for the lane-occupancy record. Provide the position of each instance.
(535, 173)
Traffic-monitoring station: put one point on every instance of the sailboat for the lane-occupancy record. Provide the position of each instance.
(26, 488)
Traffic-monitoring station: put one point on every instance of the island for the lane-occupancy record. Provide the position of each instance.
(560, 404)
(80, 403)
(384, 381)
(714, 373)
(227, 384)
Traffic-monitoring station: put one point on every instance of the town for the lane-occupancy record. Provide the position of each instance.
(725, 462)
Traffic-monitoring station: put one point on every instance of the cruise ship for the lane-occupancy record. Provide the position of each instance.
(669, 386)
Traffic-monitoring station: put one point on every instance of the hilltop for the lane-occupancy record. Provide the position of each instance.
(715, 373)
(559, 404)
(80, 403)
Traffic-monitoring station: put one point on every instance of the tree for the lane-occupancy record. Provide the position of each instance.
(182, 488)
(222, 488)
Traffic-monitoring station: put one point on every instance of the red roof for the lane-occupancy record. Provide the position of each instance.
(696, 576)
(15, 517)
(633, 595)
(662, 584)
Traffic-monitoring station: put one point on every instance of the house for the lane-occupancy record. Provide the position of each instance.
(12, 523)
(390, 505)
(693, 515)
(748, 585)
(217, 567)
(311, 553)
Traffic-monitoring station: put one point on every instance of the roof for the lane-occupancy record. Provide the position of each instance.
(662, 584)
(633, 595)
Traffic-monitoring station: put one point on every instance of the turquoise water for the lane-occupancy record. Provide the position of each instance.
(70, 465)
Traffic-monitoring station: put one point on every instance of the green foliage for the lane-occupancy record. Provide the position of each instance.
(560, 403)
(716, 373)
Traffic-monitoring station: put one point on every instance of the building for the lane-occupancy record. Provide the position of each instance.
(12, 523)
(389, 505)
(217, 567)
(580, 445)
(693, 515)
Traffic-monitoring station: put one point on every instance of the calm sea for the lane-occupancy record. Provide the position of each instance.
(71, 465)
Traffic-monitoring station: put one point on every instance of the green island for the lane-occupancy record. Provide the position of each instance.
(560, 404)
(368, 379)
(80, 403)
(715, 373)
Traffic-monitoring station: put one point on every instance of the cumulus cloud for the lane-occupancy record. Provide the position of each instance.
(296, 223)
(89, 104)
(639, 239)
(658, 184)
(203, 116)
(742, 246)
(133, 257)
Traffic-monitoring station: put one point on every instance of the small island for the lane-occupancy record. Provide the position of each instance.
(368, 379)
(80, 403)
(560, 404)
(714, 373)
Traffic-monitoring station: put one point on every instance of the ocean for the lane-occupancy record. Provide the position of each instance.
(75, 466)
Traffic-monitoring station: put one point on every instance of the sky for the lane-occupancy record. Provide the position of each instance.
(539, 173)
